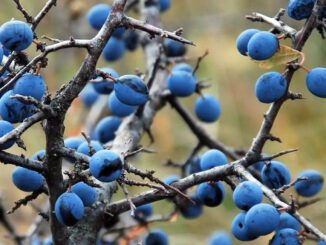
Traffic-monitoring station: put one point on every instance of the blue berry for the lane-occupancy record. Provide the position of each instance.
(85, 192)
(1, 54)
(144, 211)
(207, 108)
(69, 209)
(6, 127)
(182, 67)
(257, 217)
(106, 128)
(239, 228)
(220, 238)
(84, 148)
(243, 39)
(156, 237)
(262, 45)
(114, 49)
(288, 221)
(16, 35)
(6, 51)
(275, 175)
(118, 108)
(193, 166)
(321, 243)
(30, 85)
(164, 5)
(316, 82)
(88, 95)
(270, 87)
(26, 179)
(119, 32)
(181, 83)
(73, 142)
(312, 185)
(190, 210)
(211, 194)
(131, 90)
(39, 155)
(105, 86)
(286, 236)
(212, 158)
(97, 15)
(247, 194)
(169, 180)
(300, 9)
(105, 166)
(174, 48)
(14, 111)
(131, 39)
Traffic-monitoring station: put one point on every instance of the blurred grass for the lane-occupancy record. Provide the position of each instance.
(212, 25)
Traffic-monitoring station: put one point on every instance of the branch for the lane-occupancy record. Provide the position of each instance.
(153, 30)
(43, 12)
(27, 16)
(19, 130)
(8, 158)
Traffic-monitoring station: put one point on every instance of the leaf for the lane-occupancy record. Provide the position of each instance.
(284, 55)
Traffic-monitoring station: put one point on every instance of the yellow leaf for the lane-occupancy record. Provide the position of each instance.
(283, 56)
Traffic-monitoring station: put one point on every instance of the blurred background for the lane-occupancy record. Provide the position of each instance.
(214, 26)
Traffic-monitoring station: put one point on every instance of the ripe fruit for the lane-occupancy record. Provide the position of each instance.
(156, 237)
(131, 39)
(321, 243)
(174, 48)
(1, 55)
(220, 238)
(30, 85)
(316, 82)
(169, 180)
(97, 15)
(300, 9)
(211, 194)
(211, 159)
(239, 228)
(39, 155)
(73, 142)
(193, 166)
(105, 166)
(270, 87)
(114, 49)
(84, 149)
(118, 32)
(105, 86)
(118, 108)
(207, 108)
(288, 221)
(16, 35)
(85, 192)
(164, 5)
(275, 175)
(189, 210)
(106, 128)
(243, 39)
(26, 179)
(181, 83)
(286, 236)
(257, 217)
(14, 111)
(69, 209)
(144, 211)
(262, 45)
(182, 67)
(6, 127)
(247, 194)
(88, 95)
(131, 90)
(312, 185)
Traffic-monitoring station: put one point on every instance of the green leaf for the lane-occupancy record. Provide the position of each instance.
(283, 56)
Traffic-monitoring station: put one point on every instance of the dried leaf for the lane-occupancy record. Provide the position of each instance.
(284, 55)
